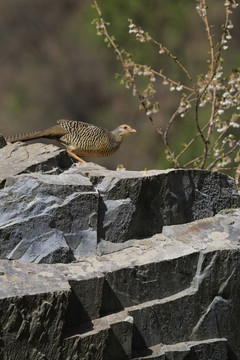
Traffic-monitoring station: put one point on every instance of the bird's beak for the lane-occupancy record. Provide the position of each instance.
(132, 130)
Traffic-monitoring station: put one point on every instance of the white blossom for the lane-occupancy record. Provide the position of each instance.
(179, 87)
(203, 103)
(222, 129)
(234, 124)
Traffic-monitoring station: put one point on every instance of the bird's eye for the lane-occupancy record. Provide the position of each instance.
(125, 127)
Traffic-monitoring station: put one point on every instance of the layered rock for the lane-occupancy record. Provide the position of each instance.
(20, 158)
(57, 216)
(116, 265)
(161, 290)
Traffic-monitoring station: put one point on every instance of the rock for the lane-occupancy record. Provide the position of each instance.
(86, 209)
(208, 232)
(135, 204)
(48, 218)
(161, 298)
(19, 157)
(212, 349)
(2, 141)
(98, 264)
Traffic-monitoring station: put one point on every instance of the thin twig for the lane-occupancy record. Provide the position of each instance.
(192, 161)
(166, 51)
(222, 156)
(191, 141)
(210, 128)
(160, 132)
(170, 80)
(205, 20)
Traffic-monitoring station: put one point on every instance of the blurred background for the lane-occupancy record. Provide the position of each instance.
(53, 66)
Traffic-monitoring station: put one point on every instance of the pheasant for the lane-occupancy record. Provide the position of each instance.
(81, 139)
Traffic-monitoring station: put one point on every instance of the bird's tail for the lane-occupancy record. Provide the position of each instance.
(23, 137)
(54, 132)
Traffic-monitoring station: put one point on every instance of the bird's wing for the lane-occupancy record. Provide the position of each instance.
(88, 136)
(73, 126)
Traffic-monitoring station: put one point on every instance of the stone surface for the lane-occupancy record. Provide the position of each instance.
(212, 349)
(21, 157)
(99, 264)
(161, 298)
(218, 231)
(47, 218)
(136, 204)
(64, 211)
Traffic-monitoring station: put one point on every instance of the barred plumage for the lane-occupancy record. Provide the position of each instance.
(81, 139)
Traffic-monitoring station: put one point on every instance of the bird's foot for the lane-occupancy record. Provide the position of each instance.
(75, 156)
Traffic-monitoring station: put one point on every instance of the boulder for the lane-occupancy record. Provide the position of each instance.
(66, 211)
(161, 298)
(47, 218)
(101, 264)
(19, 157)
(139, 204)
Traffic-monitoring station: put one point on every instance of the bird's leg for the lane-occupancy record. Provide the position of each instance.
(75, 156)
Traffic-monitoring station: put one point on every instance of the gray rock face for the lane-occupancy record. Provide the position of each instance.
(47, 218)
(99, 264)
(139, 204)
(161, 298)
(57, 216)
(20, 158)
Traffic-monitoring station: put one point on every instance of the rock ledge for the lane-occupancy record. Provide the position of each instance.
(99, 264)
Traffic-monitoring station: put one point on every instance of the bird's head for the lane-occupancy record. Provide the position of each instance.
(124, 130)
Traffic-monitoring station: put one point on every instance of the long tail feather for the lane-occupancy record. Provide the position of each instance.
(23, 137)
(54, 132)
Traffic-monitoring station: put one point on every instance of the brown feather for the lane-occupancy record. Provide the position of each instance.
(54, 132)
(80, 138)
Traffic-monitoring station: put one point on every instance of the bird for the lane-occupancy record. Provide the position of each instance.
(81, 139)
